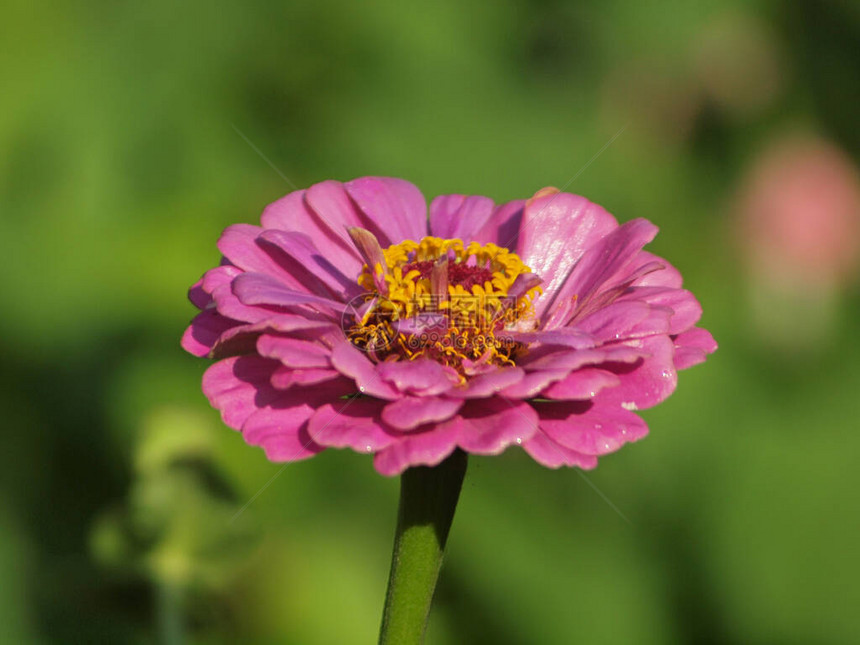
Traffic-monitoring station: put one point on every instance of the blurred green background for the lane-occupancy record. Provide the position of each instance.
(125, 131)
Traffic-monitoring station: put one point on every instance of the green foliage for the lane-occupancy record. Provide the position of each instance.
(122, 163)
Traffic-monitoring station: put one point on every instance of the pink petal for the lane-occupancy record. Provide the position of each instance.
(333, 206)
(286, 377)
(427, 448)
(622, 320)
(282, 432)
(238, 386)
(589, 429)
(488, 383)
(351, 423)
(330, 201)
(566, 336)
(287, 446)
(488, 426)
(288, 258)
(198, 296)
(235, 342)
(668, 276)
(326, 227)
(204, 331)
(351, 362)
(692, 347)
(294, 352)
(533, 383)
(564, 311)
(686, 309)
(556, 232)
(648, 383)
(303, 260)
(503, 226)
(368, 248)
(421, 376)
(411, 412)
(239, 245)
(523, 283)
(229, 306)
(458, 216)
(253, 289)
(395, 206)
(219, 276)
(562, 358)
(613, 321)
(581, 384)
(600, 263)
(243, 339)
(548, 453)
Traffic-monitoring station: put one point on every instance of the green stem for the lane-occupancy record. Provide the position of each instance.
(170, 613)
(428, 498)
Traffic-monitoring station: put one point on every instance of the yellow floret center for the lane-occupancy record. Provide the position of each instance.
(457, 315)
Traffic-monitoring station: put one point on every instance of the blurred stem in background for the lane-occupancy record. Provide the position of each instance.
(174, 530)
(171, 625)
(428, 499)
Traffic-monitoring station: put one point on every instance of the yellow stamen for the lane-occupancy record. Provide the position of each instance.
(466, 324)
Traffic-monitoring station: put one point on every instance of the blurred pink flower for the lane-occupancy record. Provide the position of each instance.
(342, 323)
(800, 215)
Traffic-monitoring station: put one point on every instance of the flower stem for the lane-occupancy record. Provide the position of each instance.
(170, 613)
(428, 499)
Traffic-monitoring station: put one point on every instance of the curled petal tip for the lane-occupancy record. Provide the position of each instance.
(543, 192)
(523, 283)
(439, 277)
(370, 251)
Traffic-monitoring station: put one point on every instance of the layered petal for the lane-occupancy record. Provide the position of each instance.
(548, 453)
(459, 216)
(354, 364)
(307, 264)
(204, 331)
(259, 289)
(352, 423)
(646, 383)
(411, 412)
(556, 231)
(489, 426)
(692, 347)
(395, 207)
(601, 262)
(427, 448)
(581, 384)
(312, 212)
(503, 225)
(421, 376)
(238, 386)
(294, 352)
(589, 428)
(281, 426)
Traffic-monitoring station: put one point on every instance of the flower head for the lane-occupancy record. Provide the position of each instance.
(350, 320)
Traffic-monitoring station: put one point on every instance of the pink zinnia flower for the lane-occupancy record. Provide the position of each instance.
(349, 320)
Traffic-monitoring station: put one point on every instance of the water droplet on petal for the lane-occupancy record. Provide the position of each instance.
(361, 388)
(606, 446)
(598, 426)
(629, 405)
(623, 430)
(666, 374)
(369, 448)
(519, 439)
